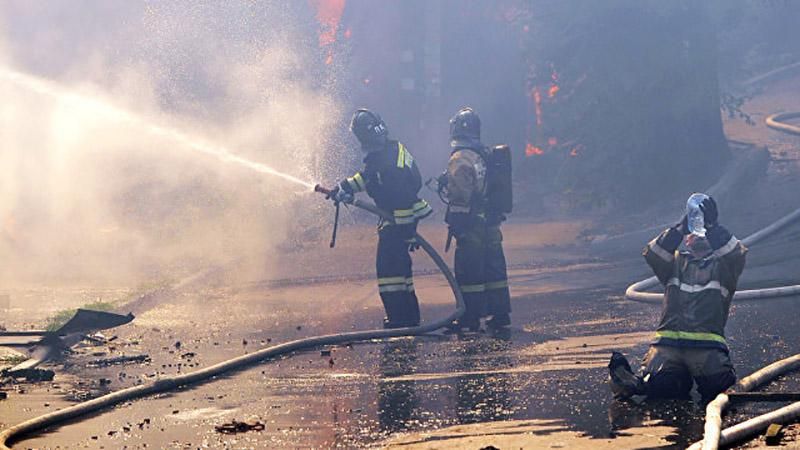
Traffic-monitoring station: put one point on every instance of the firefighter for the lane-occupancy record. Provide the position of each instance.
(474, 219)
(689, 344)
(392, 179)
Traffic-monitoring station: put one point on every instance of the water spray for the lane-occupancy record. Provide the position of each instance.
(169, 383)
(107, 109)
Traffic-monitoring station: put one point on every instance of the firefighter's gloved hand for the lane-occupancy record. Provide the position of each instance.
(340, 195)
(683, 225)
(710, 212)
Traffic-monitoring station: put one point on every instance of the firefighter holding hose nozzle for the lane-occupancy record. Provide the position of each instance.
(477, 189)
(392, 179)
(689, 345)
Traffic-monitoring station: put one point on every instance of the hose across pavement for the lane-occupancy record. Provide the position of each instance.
(52, 419)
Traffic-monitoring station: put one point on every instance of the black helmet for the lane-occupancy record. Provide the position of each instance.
(369, 128)
(465, 129)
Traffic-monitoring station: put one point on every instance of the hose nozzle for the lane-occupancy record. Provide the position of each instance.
(323, 190)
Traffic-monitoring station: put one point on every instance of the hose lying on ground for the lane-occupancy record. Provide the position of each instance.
(713, 435)
(776, 122)
(238, 363)
(748, 428)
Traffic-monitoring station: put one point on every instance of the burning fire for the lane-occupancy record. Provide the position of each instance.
(532, 150)
(554, 88)
(534, 146)
(329, 14)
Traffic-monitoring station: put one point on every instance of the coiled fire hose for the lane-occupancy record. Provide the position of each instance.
(35, 424)
(714, 436)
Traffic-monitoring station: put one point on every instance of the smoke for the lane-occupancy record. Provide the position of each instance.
(89, 195)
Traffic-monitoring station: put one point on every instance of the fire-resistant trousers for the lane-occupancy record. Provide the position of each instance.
(395, 279)
(480, 267)
(669, 371)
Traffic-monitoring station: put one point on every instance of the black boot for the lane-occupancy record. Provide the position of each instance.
(624, 383)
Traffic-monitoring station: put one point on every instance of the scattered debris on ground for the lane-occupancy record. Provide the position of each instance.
(235, 426)
(786, 436)
(31, 375)
(119, 360)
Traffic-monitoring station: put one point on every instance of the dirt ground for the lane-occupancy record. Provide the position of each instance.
(544, 386)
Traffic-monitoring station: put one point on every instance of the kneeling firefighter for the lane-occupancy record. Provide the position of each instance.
(477, 189)
(392, 179)
(689, 345)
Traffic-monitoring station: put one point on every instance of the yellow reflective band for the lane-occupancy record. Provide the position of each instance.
(422, 209)
(353, 185)
(401, 155)
(690, 336)
(496, 285)
(403, 212)
(422, 204)
(470, 288)
(392, 280)
(360, 181)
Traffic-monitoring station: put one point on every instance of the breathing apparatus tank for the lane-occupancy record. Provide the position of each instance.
(499, 192)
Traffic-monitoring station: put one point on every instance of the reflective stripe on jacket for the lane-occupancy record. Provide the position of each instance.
(698, 292)
(392, 179)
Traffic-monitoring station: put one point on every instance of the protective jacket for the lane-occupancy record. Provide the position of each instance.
(480, 264)
(466, 181)
(391, 178)
(698, 292)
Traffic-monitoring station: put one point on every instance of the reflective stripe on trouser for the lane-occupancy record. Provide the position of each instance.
(480, 269)
(669, 371)
(395, 280)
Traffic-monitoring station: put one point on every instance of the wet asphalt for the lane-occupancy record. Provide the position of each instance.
(568, 315)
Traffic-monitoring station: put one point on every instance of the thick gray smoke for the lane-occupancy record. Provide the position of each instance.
(89, 193)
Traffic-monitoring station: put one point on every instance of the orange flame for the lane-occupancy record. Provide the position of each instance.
(532, 150)
(553, 90)
(329, 13)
